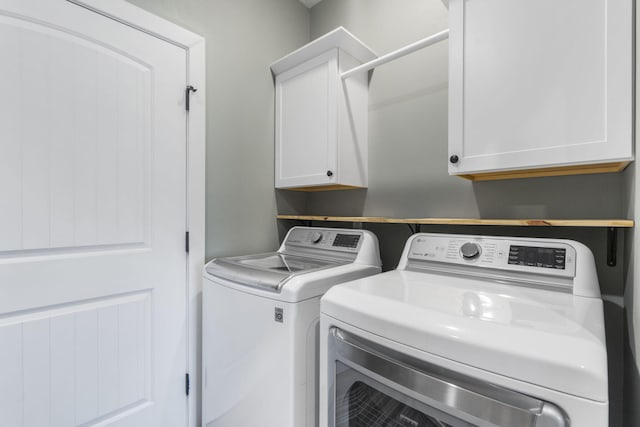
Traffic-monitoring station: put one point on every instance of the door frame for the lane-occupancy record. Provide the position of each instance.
(194, 46)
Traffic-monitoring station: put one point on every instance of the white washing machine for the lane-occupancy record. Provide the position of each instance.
(468, 331)
(260, 326)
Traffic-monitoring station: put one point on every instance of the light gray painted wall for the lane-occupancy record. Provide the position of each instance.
(631, 295)
(408, 131)
(243, 38)
(631, 361)
(408, 159)
(408, 140)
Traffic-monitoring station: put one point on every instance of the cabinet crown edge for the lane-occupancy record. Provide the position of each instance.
(339, 38)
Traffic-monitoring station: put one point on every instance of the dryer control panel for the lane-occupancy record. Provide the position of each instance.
(537, 256)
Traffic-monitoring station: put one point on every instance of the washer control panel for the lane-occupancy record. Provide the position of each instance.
(347, 240)
(539, 257)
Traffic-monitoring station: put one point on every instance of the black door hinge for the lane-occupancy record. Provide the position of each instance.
(186, 242)
(187, 92)
(186, 384)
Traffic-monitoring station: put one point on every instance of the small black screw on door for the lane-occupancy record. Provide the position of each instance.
(454, 159)
(329, 174)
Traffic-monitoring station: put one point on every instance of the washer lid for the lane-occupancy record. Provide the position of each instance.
(553, 339)
(266, 271)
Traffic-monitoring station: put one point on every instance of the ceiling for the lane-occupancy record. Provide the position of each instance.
(310, 3)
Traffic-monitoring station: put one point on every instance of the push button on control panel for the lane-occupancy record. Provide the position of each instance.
(560, 258)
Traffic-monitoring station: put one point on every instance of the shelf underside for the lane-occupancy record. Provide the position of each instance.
(622, 223)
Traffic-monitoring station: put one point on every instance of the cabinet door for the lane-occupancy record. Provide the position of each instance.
(306, 135)
(539, 83)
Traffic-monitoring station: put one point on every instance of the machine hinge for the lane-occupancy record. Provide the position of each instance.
(186, 384)
(186, 242)
(187, 93)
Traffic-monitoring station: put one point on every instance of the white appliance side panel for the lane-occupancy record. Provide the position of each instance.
(540, 84)
(248, 359)
(305, 323)
(306, 122)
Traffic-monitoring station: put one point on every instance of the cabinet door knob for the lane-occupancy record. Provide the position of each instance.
(454, 159)
(329, 174)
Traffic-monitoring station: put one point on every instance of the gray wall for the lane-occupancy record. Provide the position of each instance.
(632, 343)
(408, 135)
(407, 144)
(243, 37)
(408, 160)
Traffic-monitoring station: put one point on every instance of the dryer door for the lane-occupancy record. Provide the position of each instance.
(376, 386)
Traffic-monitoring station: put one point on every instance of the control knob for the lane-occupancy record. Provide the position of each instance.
(316, 237)
(470, 250)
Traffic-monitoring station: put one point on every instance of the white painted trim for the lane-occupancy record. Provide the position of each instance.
(194, 45)
(339, 38)
(142, 20)
(196, 221)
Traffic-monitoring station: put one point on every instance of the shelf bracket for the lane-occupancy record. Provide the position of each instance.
(612, 246)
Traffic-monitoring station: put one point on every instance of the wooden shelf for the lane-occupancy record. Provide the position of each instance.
(619, 223)
(555, 171)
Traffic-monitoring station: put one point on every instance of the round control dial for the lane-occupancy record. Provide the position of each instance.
(316, 237)
(470, 250)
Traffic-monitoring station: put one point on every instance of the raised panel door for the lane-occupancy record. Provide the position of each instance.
(306, 123)
(536, 84)
(93, 270)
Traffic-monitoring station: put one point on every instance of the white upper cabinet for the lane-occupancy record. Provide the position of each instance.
(540, 87)
(321, 119)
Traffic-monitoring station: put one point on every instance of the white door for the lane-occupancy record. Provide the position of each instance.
(92, 220)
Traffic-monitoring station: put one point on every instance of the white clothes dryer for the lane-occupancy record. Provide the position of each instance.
(468, 331)
(260, 326)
